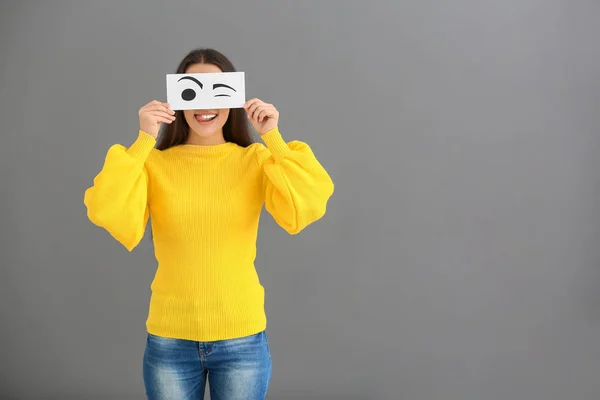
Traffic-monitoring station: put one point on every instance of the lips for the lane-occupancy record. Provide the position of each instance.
(205, 117)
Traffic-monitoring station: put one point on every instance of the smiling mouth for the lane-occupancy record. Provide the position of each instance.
(205, 117)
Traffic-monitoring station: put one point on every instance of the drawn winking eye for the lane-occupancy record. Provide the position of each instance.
(219, 85)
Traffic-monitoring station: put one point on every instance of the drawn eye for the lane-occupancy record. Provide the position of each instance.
(222, 85)
(188, 94)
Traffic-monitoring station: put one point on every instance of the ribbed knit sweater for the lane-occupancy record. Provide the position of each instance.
(204, 204)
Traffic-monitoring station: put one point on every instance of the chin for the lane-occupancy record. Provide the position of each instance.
(203, 131)
(203, 127)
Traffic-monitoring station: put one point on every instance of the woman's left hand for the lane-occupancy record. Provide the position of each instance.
(264, 116)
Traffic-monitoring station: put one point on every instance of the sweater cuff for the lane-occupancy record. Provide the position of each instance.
(275, 143)
(143, 145)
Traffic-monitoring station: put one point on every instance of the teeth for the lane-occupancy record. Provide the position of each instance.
(206, 117)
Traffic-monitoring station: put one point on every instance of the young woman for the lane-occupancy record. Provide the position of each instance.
(203, 185)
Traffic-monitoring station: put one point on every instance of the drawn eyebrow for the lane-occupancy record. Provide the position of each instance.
(191, 78)
(218, 85)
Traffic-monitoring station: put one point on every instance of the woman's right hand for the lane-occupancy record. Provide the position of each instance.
(153, 114)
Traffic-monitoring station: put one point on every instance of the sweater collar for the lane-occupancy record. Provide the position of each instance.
(216, 149)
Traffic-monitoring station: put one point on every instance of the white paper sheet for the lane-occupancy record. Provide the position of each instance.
(203, 91)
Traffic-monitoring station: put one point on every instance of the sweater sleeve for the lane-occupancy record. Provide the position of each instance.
(295, 185)
(118, 199)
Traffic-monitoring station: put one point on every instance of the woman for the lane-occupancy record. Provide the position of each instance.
(203, 184)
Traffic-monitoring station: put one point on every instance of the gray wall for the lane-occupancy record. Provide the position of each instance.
(459, 259)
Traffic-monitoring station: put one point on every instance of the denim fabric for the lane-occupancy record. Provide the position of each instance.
(178, 369)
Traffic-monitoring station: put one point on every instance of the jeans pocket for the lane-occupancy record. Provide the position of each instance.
(266, 342)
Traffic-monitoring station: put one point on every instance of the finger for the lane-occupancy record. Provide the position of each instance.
(263, 114)
(252, 108)
(168, 106)
(270, 110)
(161, 107)
(252, 111)
(152, 104)
(255, 104)
(165, 120)
(159, 103)
(258, 112)
(162, 114)
(258, 109)
(156, 104)
(250, 102)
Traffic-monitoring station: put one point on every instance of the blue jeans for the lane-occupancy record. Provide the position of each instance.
(236, 369)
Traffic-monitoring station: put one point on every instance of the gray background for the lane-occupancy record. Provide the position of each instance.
(459, 258)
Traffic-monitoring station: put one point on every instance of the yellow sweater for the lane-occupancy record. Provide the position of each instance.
(204, 203)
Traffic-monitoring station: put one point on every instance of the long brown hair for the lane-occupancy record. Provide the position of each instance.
(235, 130)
